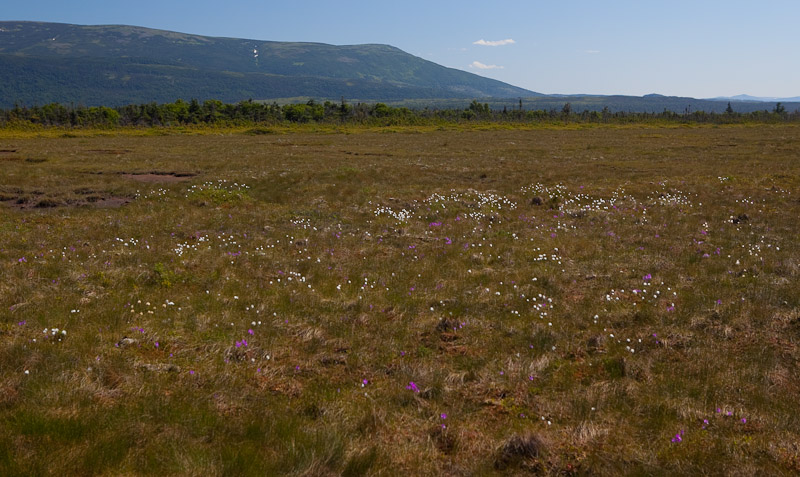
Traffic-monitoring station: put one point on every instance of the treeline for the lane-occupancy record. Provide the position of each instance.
(213, 112)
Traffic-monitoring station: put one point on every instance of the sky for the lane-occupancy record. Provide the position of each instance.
(698, 48)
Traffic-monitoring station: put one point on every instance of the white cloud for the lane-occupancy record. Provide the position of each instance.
(481, 66)
(483, 42)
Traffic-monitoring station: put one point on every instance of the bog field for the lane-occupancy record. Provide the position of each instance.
(464, 301)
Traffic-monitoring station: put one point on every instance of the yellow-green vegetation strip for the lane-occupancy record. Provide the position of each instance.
(30, 131)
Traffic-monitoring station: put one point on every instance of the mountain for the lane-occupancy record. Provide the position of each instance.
(118, 64)
(760, 99)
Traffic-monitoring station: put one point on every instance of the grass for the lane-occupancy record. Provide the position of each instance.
(590, 301)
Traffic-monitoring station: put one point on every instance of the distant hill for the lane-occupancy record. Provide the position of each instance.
(761, 99)
(115, 64)
(652, 103)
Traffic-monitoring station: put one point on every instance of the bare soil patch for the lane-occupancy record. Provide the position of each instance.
(158, 177)
(38, 200)
(109, 202)
(110, 151)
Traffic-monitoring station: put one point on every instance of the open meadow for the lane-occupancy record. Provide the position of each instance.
(464, 301)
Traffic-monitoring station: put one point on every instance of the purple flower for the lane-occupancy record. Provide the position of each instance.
(412, 387)
(648, 277)
(251, 331)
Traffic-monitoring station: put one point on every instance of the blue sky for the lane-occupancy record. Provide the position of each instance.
(684, 48)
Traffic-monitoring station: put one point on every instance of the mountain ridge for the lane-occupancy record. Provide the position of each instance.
(101, 60)
(115, 65)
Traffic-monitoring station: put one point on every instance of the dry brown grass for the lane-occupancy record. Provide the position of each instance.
(343, 304)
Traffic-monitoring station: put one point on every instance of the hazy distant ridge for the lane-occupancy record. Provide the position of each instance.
(761, 99)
